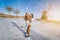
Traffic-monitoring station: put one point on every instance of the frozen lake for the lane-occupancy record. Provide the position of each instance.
(10, 29)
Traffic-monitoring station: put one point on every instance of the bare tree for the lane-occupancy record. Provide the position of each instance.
(16, 12)
(8, 8)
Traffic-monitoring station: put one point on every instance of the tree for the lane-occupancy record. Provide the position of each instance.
(8, 8)
(16, 12)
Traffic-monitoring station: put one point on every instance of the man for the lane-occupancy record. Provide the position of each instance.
(28, 19)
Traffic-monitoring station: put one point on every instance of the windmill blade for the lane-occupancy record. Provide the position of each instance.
(49, 15)
(49, 7)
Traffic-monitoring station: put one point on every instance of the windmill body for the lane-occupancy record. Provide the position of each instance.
(44, 15)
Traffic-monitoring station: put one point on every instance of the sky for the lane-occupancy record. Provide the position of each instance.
(33, 6)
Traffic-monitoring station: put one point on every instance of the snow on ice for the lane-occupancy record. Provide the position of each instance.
(10, 29)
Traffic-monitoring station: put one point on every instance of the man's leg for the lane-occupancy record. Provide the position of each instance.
(28, 30)
(27, 22)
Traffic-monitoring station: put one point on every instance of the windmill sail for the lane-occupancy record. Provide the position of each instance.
(49, 7)
(45, 12)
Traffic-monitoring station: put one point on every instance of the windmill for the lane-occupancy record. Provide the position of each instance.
(45, 13)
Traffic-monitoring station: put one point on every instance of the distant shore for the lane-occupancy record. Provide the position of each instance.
(9, 16)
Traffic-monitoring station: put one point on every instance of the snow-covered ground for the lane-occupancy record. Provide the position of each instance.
(10, 29)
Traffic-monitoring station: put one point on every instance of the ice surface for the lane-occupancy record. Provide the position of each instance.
(10, 29)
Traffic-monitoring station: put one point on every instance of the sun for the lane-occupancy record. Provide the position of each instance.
(55, 12)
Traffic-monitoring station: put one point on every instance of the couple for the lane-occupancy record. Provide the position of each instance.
(28, 18)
